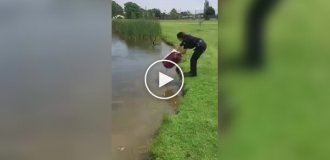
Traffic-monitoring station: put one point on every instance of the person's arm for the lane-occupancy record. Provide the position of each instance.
(181, 49)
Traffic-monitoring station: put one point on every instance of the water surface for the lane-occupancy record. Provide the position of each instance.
(136, 115)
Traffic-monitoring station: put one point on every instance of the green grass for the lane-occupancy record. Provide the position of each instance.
(192, 133)
(137, 29)
(282, 111)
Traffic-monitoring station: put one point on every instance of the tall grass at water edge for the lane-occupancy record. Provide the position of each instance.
(137, 29)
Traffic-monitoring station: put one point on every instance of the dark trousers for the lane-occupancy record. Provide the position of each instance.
(198, 51)
(255, 26)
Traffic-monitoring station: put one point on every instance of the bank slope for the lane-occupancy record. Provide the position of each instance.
(192, 133)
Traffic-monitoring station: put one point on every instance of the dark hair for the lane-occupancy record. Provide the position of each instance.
(181, 35)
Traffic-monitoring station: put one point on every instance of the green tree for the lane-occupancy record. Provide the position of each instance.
(174, 14)
(156, 13)
(206, 6)
(210, 11)
(132, 10)
(117, 9)
(164, 16)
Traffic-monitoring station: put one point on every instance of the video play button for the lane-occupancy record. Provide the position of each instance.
(163, 83)
(163, 79)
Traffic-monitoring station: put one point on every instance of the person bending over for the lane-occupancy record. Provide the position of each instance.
(191, 42)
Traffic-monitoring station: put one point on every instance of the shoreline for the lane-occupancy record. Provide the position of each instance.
(193, 132)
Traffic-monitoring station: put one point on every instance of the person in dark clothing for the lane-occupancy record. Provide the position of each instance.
(191, 42)
(255, 26)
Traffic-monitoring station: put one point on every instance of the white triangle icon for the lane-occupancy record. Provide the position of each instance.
(163, 79)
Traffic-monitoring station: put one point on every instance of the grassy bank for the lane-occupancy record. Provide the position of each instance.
(137, 29)
(192, 133)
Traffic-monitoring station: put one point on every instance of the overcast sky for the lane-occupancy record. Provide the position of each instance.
(167, 5)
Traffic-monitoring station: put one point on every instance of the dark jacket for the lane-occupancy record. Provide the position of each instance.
(190, 42)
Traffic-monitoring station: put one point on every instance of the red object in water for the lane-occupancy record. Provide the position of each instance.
(173, 56)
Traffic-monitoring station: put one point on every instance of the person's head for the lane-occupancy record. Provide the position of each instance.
(181, 36)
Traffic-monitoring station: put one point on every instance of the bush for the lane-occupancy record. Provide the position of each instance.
(137, 29)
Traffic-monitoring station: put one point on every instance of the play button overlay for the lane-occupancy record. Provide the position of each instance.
(163, 79)
(163, 83)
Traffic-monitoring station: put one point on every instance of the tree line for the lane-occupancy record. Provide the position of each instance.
(132, 10)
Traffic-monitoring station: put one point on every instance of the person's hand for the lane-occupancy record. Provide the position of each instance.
(181, 50)
(177, 54)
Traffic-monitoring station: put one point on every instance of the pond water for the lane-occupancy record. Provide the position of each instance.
(136, 115)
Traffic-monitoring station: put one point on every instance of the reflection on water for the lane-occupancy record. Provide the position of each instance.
(136, 115)
(54, 80)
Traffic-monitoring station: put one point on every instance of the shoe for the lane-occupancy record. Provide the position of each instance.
(189, 74)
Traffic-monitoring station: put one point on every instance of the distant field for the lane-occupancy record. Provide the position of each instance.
(193, 22)
(192, 133)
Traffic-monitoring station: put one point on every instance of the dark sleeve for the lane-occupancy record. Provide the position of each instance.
(182, 44)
